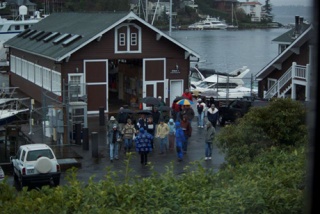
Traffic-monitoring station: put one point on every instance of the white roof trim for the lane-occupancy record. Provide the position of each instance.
(283, 53)
(130, 16)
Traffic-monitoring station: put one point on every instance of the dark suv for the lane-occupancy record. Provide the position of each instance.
(238, 108)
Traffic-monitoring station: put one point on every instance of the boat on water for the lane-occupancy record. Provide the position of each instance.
(234, 20)
(10, 110)
(210, 23)
(219, 85)
(11, 28)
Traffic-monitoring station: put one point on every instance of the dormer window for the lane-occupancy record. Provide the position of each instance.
(128, 38)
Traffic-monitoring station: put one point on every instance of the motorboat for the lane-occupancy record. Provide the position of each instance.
(210, 23)
(11, 28)
(207, 77)
(11, 109)
(220, 85)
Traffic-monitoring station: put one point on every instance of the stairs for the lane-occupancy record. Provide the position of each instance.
(295, 75)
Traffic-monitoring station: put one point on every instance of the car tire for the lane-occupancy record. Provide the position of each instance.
(43, 165)
(56, 181)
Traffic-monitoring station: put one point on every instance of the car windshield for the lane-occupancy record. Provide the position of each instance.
(34, 155)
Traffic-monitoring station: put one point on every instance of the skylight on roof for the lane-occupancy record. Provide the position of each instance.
(51, 36)
(29, 33)
(36, 34)
(71, 39)
(43, 36)
(60, 38)
(24, 32)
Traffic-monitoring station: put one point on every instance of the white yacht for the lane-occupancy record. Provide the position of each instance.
(210, 23)
(11, 28)
(219, 85)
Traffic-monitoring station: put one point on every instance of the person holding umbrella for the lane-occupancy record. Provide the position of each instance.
(187, 95)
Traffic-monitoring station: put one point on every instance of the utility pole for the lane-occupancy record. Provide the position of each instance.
(170, 18)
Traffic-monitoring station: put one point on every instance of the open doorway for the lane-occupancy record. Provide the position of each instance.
(125, 83)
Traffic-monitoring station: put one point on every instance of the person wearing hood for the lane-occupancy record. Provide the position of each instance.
(213, 115)
(112, 122)
(172, 132)
(143, 145)
(210, 133)
(180, 139)
(115, 139)
(128, 133)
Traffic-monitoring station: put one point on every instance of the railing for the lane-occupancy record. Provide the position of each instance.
(295, 71)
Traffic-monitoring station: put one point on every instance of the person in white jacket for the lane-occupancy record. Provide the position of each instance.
(213, 115)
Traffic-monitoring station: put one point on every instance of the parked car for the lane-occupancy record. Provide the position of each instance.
(238, 108)
(35, 164)
(1, 174)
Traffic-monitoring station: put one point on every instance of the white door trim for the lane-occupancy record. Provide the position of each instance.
(98, 83)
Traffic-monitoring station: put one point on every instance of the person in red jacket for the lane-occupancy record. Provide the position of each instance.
(187, 94)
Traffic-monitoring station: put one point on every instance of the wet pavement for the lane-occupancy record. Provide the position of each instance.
(87, 165)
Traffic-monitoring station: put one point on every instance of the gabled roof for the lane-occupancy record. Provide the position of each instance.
(79, 28)
(289, 36)
(296, 44)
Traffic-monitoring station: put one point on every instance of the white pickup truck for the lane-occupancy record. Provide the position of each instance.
(35, 164)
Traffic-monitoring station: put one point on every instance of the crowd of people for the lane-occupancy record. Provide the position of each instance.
(125, 133)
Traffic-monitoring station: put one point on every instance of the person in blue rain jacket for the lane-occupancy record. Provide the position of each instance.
(180, 138)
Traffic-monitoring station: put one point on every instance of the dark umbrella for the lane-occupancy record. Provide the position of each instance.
(144, 112)
(151, 101)
(126, 110)
(164, 108)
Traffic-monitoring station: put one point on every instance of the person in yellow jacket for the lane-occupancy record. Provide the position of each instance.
(162, 134)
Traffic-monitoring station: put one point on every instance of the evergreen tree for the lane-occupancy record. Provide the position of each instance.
(268, 9)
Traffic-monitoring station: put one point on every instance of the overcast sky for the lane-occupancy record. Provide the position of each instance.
(289, 2)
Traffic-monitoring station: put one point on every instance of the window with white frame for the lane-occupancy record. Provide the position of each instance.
(13, 63)
(18, 66)
(134, 39)
(24, 69)
(128, 38)
(122, 39)
(38, 75)
(56, 82)
(46, 79)
(271, 82)
(31, 72)
(76, 85)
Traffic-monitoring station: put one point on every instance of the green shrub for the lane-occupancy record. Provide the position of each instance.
(274, 182)
(281, 123)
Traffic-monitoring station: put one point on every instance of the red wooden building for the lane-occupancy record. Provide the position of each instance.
(95, 60)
